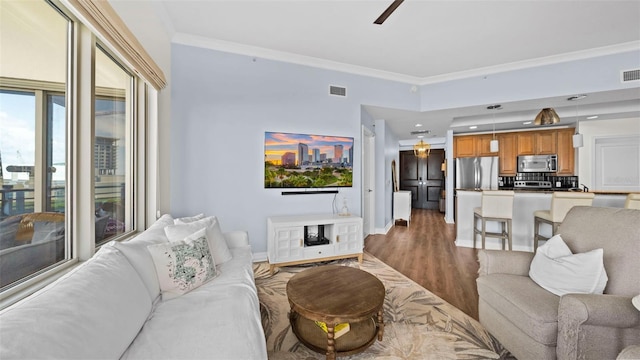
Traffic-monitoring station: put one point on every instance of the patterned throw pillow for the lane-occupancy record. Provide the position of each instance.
(184, 265)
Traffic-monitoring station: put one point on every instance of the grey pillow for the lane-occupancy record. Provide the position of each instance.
(44, 231)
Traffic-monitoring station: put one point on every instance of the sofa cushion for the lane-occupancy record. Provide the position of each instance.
(559, 271)
(531, 308)
(217, 243)
(219, 320)
(183, 265)
(8, 231)
(92, 312)
(136, 252)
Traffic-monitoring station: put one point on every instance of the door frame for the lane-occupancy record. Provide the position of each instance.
(368, 184)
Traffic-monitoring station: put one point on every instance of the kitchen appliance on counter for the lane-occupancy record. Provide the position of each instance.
(537, 163)
(532, 184)
(479, 173)
(538, 181)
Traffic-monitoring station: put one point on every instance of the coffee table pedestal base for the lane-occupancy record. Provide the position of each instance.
(360, 336)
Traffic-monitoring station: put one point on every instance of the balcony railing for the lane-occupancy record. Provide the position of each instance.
(21, 201)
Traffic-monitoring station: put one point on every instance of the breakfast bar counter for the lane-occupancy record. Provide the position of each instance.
(525, 202)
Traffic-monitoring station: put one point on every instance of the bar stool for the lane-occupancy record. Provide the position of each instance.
(561, 203)
(497, 205)
(632, 202)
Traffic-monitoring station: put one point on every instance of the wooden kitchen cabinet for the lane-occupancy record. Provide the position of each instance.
(512, 144)
(537, 143)
(483, 145)
(508, 154)
(473, 145)
(526, 143)
(464, 146)
(566, 152)
(545, 142)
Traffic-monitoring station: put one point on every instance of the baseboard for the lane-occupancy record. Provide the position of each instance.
(259, 257)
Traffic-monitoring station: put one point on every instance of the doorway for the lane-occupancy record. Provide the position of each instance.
(423, 177)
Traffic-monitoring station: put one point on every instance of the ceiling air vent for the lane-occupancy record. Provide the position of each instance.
(420, 132)
(337, 91)
(630, 75)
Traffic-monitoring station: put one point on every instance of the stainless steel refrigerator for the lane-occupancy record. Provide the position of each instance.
(477, 173)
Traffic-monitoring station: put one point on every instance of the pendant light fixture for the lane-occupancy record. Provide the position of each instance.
(494, 146)
(421, 149)
(547, 116)
(578, 140)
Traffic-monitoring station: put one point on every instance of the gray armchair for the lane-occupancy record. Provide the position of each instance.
(533, 323)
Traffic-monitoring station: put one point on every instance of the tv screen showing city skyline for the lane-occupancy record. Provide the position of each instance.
(307, 161)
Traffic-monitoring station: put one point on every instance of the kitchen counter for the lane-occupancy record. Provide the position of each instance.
(549, 191)
(525, 202)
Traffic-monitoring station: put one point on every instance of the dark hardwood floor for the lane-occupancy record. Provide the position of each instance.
(426, 253)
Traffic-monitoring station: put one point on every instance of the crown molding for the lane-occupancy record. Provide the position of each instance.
(270, 54)
(531, 63)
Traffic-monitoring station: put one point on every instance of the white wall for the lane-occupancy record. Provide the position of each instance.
(223, 103)
(387, 150)
(593, 129)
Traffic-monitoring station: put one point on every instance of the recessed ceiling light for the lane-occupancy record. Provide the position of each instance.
(420, 136)
(526, 123)
(592, 117)
(418, 125)
(473, 127)
(577, 97)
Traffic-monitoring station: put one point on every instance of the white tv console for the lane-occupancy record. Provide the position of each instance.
(286, 244)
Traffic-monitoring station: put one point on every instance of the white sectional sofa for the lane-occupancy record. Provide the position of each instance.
(110, 307)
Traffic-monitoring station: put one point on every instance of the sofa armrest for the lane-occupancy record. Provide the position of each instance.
(238, 238)
(504, 262)
(599, 310)
(588, 322)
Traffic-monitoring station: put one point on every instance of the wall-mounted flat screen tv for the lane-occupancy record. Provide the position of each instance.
(307, 161)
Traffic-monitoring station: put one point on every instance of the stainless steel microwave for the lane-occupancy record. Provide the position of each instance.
(537, 163)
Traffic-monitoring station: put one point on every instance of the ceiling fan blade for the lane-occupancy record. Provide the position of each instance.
(394, 5)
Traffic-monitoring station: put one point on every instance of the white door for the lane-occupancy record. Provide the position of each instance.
(368, 204)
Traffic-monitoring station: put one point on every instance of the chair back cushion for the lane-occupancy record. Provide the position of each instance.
(617, 232)
(632, 202)
(562, 202)
(497, 203)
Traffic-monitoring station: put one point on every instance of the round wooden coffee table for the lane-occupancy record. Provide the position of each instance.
(336, 294)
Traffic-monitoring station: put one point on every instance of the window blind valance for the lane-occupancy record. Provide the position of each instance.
(106, 21)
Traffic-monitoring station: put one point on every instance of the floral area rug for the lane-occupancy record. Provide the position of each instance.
(418, 324)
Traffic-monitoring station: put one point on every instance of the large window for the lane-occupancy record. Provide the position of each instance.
(33, 151)
(112, 148)
(65, 170)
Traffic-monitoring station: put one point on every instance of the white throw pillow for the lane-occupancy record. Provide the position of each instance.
(189, 219)
(183, 265)
(217, 243)
(560, 272)
(136, 252)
